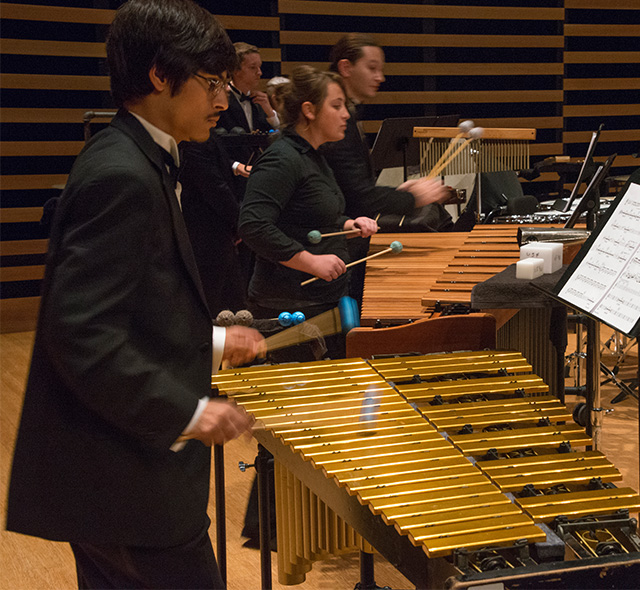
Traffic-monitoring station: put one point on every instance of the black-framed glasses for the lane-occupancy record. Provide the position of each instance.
(215, 84)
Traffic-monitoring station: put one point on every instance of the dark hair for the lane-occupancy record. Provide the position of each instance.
(307, 85)
(350, 47)
(178, 37)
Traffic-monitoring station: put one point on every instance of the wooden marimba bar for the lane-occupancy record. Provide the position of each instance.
(434, 268)
(379, 451)
(394, 287)
(486, 251)
(441, 270)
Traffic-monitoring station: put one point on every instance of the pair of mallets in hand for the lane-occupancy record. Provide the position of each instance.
(466, 128)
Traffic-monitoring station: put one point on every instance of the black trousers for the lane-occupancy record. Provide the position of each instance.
(184, 567)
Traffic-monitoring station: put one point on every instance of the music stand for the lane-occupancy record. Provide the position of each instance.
(583, 170)
(394, 145)
(589, 202)
(603, 281)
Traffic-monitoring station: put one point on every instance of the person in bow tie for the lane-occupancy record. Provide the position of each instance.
(249, 108)
(113, 449)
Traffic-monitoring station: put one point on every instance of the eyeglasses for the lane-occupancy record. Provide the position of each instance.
(215, 84)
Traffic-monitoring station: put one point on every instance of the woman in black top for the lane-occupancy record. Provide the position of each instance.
(291, 191)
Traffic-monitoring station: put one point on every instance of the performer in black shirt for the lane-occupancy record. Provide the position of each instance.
(359, 61)
(292, 191)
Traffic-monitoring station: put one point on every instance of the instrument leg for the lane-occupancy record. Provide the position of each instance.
(263, 464)
(221, 525)
(367, 576)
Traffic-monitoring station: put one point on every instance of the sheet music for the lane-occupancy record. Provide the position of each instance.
(607, 281)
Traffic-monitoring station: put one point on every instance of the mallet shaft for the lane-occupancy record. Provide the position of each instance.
(345, 232)
(308, 281)
(437, 169)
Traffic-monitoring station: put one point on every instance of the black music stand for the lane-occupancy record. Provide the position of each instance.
(603, 280)
(395, 145)
(590, 202)
(586, 164)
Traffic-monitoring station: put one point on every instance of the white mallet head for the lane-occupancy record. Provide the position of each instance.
(466, 126)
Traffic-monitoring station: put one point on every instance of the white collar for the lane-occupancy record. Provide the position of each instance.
(164, 140)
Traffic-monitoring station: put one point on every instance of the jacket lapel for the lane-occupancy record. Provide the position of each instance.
(128, 124)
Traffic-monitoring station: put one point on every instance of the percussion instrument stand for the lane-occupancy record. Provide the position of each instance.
(263, 463)
(478, 197)
(221, 524)
(367, 578)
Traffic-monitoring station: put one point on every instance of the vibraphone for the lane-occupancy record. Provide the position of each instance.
(458, 468)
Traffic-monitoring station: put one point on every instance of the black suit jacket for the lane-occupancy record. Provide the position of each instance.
(350, 161)
(234, 116)
(122, 355)
(211, 196)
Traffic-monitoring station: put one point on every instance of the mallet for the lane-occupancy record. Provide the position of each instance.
(342, 318)
(464, 127)
(314, 236)
(475, 133)
(395, 247)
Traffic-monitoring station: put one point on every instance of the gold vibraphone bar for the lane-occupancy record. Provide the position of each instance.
(380, 453)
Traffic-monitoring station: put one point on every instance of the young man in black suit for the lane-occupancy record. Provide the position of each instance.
(249, 108)
(125, 346)
(360, 62)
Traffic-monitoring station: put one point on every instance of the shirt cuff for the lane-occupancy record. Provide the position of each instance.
(234, 167)
(218, 338)
(202, 404)
(274, 121)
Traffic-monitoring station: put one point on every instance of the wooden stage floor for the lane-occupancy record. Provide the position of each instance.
(34, 564)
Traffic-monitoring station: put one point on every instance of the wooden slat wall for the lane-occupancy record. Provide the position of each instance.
(561, 66)
(602, 78)
(53, 71)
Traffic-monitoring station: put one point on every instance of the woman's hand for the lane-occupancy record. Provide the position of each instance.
(324, 266)
(327, 266)
(366, 225)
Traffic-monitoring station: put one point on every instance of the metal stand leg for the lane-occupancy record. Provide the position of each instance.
(221, 524)
(594, 424)
(262, 464)
(367, 576)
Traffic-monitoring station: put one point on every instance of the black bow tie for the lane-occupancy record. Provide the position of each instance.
(171, 165)
(241, 96)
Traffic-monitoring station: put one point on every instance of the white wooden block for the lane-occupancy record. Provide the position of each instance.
(529, 268)
(549, 252)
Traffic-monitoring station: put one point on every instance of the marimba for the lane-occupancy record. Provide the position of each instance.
(437, 271)
(455, 467)
(394, 286)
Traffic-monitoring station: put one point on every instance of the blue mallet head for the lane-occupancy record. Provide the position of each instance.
(314, 236)
(285, 319)
(297, 317)
(396, 247)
